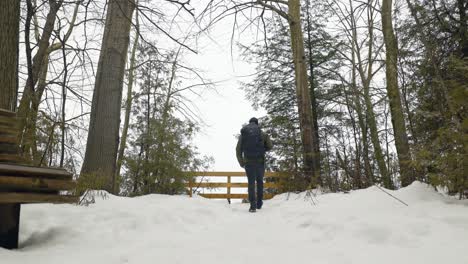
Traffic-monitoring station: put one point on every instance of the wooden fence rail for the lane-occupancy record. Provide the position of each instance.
(228, 184)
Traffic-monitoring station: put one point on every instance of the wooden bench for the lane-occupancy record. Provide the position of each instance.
(229, 184)
(20, 184)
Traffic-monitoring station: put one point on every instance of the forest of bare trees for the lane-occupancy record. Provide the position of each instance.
(356, 92)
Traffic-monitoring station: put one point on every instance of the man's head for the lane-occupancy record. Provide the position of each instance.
(253, 120)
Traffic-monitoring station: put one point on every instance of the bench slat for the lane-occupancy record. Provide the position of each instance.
(8, 139)
(13, 157)
(4, 112)
(22, 183)
(10, 122)
(8, 131)
(30, 171)
(8, 148)
(15, 197)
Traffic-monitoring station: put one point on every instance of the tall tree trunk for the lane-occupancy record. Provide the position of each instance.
(309, 139)
(9, 39)
(313, 96)
(396, 109)
(103, 136)
(30, 129)
(379, 157)
(366, 78)
(128, 107)
(357, 169)
(358, 105)
(64, 101)
(9, 26)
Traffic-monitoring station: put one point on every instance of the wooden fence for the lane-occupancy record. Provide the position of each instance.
(228, 184)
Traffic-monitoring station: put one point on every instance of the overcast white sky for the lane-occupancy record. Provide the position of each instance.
(226, 109)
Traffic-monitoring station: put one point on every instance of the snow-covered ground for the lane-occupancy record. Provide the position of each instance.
(365, 226)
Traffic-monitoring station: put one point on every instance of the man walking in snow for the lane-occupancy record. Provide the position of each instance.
(250, 150)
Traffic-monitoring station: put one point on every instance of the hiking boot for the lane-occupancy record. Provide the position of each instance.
(252, 210)
(259, 206)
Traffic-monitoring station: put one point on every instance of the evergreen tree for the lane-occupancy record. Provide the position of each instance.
(435, 41)
(161, 156)
(273, 89)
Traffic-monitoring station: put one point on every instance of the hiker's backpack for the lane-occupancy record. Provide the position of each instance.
(252, 142)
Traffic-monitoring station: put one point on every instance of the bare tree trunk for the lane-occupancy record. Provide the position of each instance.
(370, 115)
(128, 107)
(357, 142)
(396, 109)
(30, 128)
(376, 141)
(147, 135)
(30, 100)
(103, 136)
(9, 39)
(37, 63)
(9, 26)
(64, 101)
(313, 96)
(359, 110)
(309, 140)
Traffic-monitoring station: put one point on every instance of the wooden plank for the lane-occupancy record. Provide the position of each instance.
(24, 170)
(12, 157)
(232, 185)
(268, 174)
(9, 148)
(266, 196)
(8, 139)
(23, 183)
(8, 131)
(8, 121)
(4, 112)
(16, 197)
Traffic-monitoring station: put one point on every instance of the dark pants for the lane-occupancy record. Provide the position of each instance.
(255, 172)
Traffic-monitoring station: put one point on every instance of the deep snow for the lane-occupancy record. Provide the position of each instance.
(361, 227)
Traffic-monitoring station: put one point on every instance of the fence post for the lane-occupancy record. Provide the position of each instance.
(229, 188)
(190, 187)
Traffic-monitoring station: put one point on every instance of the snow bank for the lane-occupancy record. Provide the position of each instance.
(361, 227)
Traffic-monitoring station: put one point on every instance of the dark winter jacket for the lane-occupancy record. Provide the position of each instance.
(240, 152)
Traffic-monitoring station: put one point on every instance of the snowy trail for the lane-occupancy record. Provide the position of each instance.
(364, 226)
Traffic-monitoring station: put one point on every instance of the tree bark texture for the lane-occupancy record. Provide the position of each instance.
(9, 40)
(396, 109)
(309, 140)
(103, 136)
